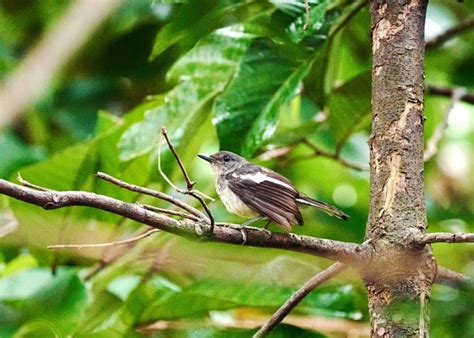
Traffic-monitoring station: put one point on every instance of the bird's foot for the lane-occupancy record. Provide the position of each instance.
(240, 228)
(268, 232)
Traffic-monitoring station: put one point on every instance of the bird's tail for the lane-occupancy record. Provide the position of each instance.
(329, 209)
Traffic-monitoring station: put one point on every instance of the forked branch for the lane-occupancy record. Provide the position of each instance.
(145, 191)
(316, 152)
(450, 33)
(51, 199)
(189, 184)
(467, 96)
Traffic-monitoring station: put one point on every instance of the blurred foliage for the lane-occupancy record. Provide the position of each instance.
(220, 74)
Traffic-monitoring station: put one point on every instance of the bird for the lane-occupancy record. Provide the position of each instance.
(252, 191)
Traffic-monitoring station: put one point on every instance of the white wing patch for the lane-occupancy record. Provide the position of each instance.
(261, 177)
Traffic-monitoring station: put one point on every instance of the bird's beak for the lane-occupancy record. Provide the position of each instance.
(205, 158)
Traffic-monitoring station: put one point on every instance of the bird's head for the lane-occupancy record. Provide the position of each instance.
(224, 162)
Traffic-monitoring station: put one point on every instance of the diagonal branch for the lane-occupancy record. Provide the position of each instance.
(335, 156)
(145, 191)
(345, 252)
(316, 151)
(169, 212)
(432, 144)
(450, 33)
(189, 184)
(467, 97)
(445, 237)
(298, 296)
(451, 278)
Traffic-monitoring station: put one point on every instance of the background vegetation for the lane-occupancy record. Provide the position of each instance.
(241, 76)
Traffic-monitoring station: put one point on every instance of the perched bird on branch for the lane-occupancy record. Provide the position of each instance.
(252, 191)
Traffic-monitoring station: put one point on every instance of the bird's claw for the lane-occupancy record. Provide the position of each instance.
(241, 229)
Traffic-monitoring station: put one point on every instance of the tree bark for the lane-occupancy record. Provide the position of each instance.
(401, 274)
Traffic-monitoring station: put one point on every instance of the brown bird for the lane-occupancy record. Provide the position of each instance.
(252, 191)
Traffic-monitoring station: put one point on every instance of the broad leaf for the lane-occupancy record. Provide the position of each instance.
(199, 18)
(206, 331)
(202, 73)
(16, 154)
(58, 299)
(207, 295)
(246, 114)
(349, 107)
(290, 136)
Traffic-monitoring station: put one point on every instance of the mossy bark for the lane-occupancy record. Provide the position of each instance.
(401, 274)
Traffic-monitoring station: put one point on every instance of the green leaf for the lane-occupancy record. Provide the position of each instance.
(97, 313)
(267, 79)
(21, 262)
(199, 18)
(19, 287)
(266, 123)
(293, 135)
(15, 154)
(36, 329)
(349, 107)
(106, 315)
(62, 171)
(10, 320)
(66, 170)
(38, 295)
(210, 295)
(315, 28)
(202, 73)
(206, 331)
(319, 79)
(109, 130)
(127, 315)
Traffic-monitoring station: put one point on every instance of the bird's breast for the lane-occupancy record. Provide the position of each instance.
(231, 201)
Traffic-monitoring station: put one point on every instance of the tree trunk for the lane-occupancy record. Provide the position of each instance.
(399, 287)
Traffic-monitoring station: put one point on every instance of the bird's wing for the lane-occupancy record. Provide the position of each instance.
(268, 193)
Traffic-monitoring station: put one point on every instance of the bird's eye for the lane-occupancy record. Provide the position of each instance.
(226, 158)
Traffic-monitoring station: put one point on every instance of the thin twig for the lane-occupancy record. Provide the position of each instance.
(335, 156)
(445, 237)
(28, 184)
(468, 97)
(451, 278)
(298, 296)
(432, 144)
(306, 8)
(153, 193)
(111, 256)
(450, 33)
(168, 212)
(160, 170)
(348, 253)
(189, 184)
(104, 245)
